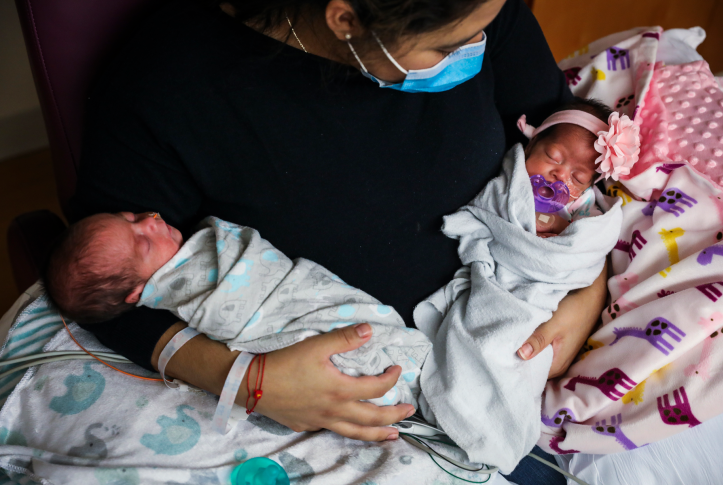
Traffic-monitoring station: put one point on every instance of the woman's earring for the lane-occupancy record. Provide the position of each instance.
(347, 36)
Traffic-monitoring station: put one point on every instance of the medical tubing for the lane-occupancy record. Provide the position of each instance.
(428, 449)
(418, 443)
(455, 476)
(55, 353)
(104, 362)
(49, 360)
(555, 467)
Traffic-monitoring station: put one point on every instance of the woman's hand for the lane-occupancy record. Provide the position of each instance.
(569, 327)
(304, 391)
(302, 388)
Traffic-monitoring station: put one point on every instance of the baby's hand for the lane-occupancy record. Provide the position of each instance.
(549, 225)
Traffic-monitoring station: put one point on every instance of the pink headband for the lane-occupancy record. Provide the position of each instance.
(572, 116)
(618, 140)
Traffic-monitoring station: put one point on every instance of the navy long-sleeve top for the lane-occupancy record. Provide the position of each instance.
(201, 115)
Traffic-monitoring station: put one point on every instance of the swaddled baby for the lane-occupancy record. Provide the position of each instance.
(474, 384)
(228, 283)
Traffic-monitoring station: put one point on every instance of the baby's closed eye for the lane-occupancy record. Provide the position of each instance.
(585, 180)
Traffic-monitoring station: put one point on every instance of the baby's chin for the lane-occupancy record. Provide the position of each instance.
(574, 191)
(176, 236)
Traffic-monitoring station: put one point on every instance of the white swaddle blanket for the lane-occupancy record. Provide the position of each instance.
(229, 283)
(481, 393)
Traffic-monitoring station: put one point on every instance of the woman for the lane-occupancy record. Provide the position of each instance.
(271, 114)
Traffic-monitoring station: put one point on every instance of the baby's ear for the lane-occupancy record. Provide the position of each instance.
(135, 295)
(528, 147)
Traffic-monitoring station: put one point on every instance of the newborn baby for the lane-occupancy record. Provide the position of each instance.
(565, 152)
(474, 384)
(228, 283)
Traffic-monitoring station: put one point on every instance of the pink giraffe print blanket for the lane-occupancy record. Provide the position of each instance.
(655, 366)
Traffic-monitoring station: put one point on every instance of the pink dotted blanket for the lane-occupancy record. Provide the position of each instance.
(655, 366)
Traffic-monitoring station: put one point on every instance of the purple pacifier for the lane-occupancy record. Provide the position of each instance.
(549, 197)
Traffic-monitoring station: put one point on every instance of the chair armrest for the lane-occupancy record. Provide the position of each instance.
(30, 237)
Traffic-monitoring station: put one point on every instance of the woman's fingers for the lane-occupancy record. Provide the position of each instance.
(563, 350)
(344, 339)
(535, 344)
(364, 433)
(371, 387)
(368, 414)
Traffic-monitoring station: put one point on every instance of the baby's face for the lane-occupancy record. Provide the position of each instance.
(146, 240)
(566, 155)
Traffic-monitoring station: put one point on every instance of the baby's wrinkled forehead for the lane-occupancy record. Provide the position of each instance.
(107, 236)
(100, 226)
(577, 140)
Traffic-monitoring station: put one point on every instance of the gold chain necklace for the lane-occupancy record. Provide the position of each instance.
(294, 32)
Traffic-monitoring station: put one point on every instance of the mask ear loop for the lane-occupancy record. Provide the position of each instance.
(384, 49)
(389, 56)
(348, 42)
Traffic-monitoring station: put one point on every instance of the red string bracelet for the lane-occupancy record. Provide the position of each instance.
(257, 392)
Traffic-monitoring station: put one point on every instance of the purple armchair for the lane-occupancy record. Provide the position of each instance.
(68, 42)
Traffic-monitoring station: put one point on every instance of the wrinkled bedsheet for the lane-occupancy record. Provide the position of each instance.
(82, 423)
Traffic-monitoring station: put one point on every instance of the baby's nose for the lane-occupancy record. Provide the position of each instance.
(150, 220)
(561, 173)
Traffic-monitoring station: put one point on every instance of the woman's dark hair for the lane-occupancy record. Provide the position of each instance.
(593, 106)
(83, 277)
(389, 19)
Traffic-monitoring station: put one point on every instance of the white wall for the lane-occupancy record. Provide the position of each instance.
(21, 122)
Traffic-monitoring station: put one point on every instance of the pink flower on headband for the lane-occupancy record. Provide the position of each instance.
(619, 147)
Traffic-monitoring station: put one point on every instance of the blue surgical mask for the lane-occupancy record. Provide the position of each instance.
(459, 66)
